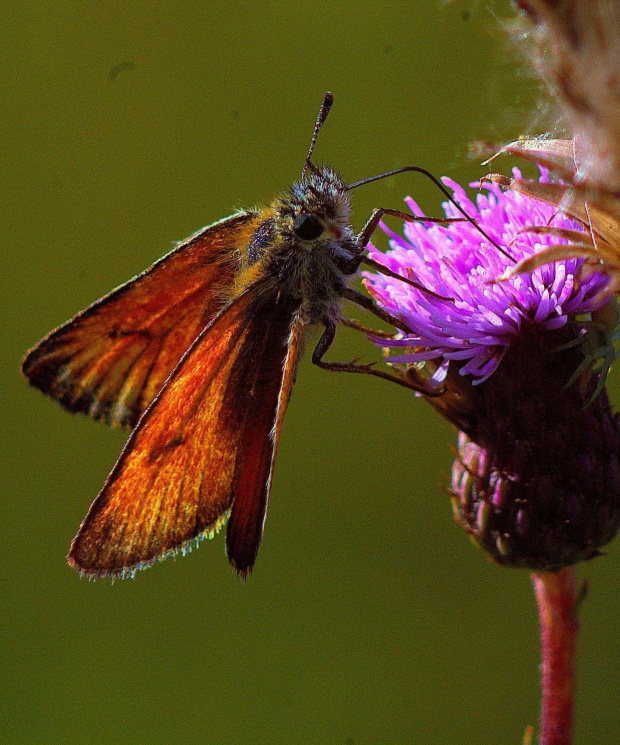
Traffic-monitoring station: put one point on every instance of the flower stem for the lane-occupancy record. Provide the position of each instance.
(556, 598)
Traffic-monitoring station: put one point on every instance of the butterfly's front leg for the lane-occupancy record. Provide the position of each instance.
(366, 233)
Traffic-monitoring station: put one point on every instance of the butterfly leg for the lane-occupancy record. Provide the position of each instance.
(325, 343)
(379, 213)
(367, 232)
(365, 302)
(352, 324)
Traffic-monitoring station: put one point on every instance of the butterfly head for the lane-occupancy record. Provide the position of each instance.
(318, 205)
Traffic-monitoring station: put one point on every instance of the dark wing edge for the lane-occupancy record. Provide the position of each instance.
(259, 448)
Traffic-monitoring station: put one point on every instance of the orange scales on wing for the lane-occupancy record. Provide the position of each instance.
(207, 444)
(111, 359)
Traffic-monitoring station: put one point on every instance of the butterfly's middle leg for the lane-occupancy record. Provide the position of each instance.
(325, 343)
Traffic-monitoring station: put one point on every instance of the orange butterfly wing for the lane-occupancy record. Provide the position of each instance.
(111, 359)
(205, 447)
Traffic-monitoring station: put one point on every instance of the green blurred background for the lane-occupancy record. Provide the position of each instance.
(369, 618)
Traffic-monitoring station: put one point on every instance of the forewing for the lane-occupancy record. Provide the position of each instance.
(111, 359)
(183, 466)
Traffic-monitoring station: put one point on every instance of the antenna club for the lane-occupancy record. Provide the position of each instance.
(326, 104)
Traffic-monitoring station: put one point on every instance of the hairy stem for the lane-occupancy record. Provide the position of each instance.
(556, 598)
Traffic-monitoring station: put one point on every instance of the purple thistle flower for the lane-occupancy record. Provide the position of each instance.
(537, 480)
(478, 325)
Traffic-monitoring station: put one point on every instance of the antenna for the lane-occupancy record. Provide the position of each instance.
(328, 100)
(444, 191)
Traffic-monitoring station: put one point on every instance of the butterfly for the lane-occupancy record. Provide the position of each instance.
(198, 355)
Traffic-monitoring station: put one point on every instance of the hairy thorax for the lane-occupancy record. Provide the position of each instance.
(304, 245)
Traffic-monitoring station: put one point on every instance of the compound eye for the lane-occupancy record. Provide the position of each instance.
(307, 227)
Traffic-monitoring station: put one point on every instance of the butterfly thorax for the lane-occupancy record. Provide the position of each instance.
(305, 243)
